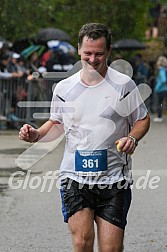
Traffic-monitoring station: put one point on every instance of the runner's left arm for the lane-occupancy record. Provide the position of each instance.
(139, 129)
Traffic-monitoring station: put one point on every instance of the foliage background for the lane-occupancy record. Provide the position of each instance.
(23, 19)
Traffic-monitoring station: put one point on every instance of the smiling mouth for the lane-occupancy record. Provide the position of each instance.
(93, 65)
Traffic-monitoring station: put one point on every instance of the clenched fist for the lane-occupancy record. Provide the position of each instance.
(29, 134)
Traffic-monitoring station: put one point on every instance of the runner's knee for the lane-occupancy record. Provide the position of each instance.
(83, 242)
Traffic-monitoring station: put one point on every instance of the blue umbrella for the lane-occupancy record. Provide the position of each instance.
(61, 45)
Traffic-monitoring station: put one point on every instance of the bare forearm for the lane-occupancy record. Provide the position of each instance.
(50, 131)
(128, 143)
(140, 128)
(47, 132)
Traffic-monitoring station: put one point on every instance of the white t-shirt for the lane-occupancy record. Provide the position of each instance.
(94, 117)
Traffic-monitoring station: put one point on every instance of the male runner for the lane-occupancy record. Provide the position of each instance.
(97, 108)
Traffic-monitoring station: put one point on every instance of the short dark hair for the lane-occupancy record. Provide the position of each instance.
(95, 31)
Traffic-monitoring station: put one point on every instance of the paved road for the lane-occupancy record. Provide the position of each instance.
(147, 229)
(31, 220)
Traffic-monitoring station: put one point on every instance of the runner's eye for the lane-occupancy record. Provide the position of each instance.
(87, 53)
(99, 54)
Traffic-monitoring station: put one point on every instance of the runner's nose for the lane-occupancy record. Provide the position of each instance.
(92, 58)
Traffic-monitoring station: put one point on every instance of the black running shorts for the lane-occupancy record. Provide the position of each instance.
(110, 202)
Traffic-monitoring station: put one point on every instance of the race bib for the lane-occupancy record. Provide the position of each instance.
(90, 163)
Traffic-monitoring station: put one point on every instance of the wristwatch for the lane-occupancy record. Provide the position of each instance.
(134, 140)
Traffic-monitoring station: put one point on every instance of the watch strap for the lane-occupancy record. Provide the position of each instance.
(134, 140)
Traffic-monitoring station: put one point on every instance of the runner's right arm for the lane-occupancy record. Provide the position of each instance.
(49, 131)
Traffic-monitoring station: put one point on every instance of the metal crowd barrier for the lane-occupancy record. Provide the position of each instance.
(33, 98)
(18, 91)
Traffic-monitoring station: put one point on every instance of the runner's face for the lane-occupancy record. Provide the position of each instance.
(94, 53)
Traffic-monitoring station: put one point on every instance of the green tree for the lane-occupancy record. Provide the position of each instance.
(126, 18)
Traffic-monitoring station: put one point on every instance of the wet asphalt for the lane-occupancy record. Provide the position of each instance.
(31, 220)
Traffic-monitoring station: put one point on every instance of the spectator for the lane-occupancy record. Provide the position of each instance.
(153, 25)
(46, 56)
(140, 70)
(21, 67)
(4, 49)
(12, 65)
(33, 62)
(60, 61)
(151, 83)
(161, 86)
(53, 64)
(4, 73)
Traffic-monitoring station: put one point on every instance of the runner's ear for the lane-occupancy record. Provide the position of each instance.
(79, 49)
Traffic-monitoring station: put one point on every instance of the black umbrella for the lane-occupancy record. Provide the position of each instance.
(47, 34)
(20, 44)
(128, 44)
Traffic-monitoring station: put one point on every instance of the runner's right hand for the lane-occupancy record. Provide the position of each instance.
(28, 133)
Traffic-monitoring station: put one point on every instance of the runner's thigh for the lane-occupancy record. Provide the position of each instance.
(81, 224)
(110, 237)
